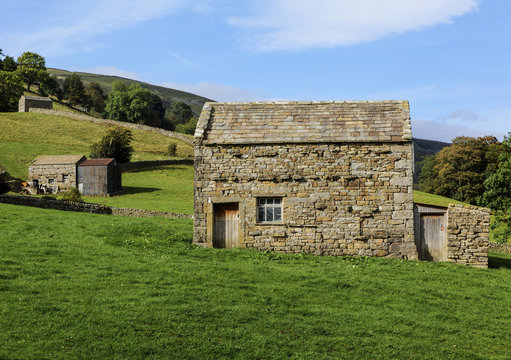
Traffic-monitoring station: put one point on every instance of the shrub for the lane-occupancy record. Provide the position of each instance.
(115, 144)
(72, 195)
(172, 150)
(4, 187)
(187, 128)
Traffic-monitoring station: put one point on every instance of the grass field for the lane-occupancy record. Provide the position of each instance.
(24, 136)
(426, 198)
(95, 286)
(165, 188)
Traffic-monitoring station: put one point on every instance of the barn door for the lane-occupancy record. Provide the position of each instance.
(433, 245)
(225, 227)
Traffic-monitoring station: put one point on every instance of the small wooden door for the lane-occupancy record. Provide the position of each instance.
(433, 245)
(225, 227)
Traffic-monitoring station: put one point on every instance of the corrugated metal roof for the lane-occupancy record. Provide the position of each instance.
(57, 159)
(97, 162)
(304, 122)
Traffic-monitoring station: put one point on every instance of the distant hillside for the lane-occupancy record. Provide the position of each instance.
(168, 95)
(422, 148)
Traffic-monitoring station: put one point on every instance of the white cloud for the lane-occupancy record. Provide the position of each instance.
(296, 25)
(464, 115)
(444, 131)
(75, 24)
(218, 92)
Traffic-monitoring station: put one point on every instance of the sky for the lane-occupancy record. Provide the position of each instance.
(450, 58)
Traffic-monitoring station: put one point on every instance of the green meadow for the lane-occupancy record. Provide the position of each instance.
(85, 286)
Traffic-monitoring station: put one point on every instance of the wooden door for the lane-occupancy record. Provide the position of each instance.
(225, 227)
(433, 244)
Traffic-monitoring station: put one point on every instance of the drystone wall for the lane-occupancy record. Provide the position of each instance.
(468, 235)
(46, 203)
(107, 122)
(500, 248)
(338, 199)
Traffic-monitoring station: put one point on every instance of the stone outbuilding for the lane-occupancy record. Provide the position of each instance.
(321, 177)
(99, 177)
(28, 102)
(54, 173)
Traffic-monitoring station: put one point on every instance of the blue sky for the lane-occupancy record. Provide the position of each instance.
(450, 58)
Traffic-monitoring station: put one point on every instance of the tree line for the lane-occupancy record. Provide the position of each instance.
(476, 171)
(131, 103)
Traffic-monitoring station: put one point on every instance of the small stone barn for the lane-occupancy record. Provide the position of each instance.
(54, 173)
(28, 102)
(321, 177)
(99, 177)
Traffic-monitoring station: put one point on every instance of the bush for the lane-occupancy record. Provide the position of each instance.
(188, 128)
(72, 195)
(172, 150)
(115, 144)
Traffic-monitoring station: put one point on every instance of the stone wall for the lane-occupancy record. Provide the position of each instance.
(338, 199)
(46, 203)
(84, 117)
(500, 248)
(468, 235)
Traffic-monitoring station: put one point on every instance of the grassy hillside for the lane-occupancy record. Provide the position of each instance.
(24, 136)
(96, 286)
(196, 102)
(425, 198)
(422, 148)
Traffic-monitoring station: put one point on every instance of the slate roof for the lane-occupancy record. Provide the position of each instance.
(304, 122)
(39, 98)
(57, 159)
(97, 162)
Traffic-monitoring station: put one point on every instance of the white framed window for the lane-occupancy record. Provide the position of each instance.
(269, 210)
(51, 181)
(65, 178)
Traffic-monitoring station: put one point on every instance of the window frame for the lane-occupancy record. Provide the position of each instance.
(272, 205)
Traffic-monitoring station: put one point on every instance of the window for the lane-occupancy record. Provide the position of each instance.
(65, 178)
(51, 181)
(269, 209)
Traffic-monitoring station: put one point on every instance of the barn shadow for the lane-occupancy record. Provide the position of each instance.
(138, 190)
(499, 261)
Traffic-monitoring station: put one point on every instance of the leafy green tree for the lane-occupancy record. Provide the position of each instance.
(188, 127)
(115, 144)
(118, 102)
(9, 64)
(31, 67)
(11, 89)
(461, 168)
(428, 174)
(182, 111)
(48, 85)
(96, 96)
(74, 91)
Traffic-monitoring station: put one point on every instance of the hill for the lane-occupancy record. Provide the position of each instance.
(422, 148)
(168, 95)
(24, 136)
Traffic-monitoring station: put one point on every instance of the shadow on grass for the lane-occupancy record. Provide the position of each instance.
(137, 190)
(498, 261)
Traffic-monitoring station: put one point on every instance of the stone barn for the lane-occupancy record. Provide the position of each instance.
(99, 177)
(28, 102)
(54, 173)
(321, 177)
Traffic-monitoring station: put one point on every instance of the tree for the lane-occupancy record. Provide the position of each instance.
(11, 89)
(31, 66)
(9, 64)
(96, 96)
(182, 111)
(188, 127)
(460, 169)
(115, 144)
(74, 91)
(48, 85)
(118, 102)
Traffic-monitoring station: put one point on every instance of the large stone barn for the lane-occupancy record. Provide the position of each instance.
(54, 173)
(321, 177)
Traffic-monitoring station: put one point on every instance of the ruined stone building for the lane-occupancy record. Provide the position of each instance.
(322, 177)
(28, 102)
